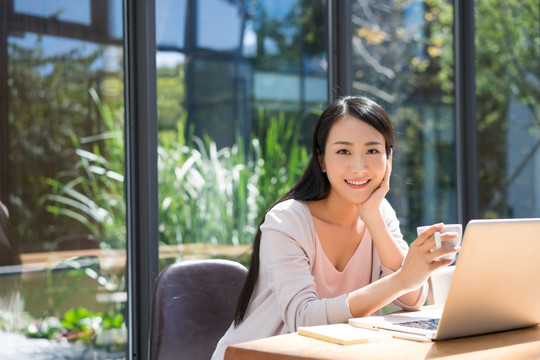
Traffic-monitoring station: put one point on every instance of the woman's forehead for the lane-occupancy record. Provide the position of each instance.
(353, 130)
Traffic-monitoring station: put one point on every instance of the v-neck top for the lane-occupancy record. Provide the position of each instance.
(285, 295)
(330, 282)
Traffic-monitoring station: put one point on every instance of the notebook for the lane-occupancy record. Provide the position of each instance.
(495, 287)
(343, 334)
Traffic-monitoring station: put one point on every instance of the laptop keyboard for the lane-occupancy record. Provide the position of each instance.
(428, 324)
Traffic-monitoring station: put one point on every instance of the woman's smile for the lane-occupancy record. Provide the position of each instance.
(357, 183)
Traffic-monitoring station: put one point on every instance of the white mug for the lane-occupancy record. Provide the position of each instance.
(457, 228)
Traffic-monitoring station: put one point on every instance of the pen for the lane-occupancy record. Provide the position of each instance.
(408, 336)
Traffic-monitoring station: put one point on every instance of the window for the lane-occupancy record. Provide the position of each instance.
(507, 108)
(61, 166)
(234, 79)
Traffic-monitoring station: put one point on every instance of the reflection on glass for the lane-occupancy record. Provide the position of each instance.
(403, 57)
(61, 176)
(63, 10)
(220, 24)
(508, 107)
(169, 14)
(234, 105)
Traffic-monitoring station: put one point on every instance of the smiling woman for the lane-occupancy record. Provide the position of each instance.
(331, 248)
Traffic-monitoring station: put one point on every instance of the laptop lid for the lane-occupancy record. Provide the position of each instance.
(494, 288)
(495, 285)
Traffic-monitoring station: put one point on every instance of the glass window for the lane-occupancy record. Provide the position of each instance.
(236, 106)
(508, 107)
(219, 24)
(170, 23)
(62, 10)
(61, 180)
(403, 57)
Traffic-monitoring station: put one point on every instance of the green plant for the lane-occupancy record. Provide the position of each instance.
(218, 196)
(207, 195)
(80, 325)
(92, 192)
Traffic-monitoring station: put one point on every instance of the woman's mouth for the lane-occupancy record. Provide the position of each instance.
(357, 182)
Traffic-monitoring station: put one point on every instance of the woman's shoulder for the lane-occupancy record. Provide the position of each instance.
(289, 209)
(289, 213)
(290, 205)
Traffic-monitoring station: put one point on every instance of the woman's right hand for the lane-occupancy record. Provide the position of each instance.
(423, 257)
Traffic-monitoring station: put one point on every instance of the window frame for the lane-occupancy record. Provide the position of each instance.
(141, 180)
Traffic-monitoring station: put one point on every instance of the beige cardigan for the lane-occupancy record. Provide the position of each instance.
(284, 297)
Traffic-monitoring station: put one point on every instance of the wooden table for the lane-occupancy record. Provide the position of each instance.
(516, 344)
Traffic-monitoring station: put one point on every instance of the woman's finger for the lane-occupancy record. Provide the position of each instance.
(427, 234)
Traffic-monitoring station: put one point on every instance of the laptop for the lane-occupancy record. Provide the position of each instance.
(495, 287)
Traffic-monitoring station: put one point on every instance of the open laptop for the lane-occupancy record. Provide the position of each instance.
(496, 286)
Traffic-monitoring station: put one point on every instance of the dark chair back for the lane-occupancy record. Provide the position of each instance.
(193, 305)
(9, 253)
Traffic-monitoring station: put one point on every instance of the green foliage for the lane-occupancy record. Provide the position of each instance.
(78, 325)
(218, 196)
(207, 195)
(47, 93)
(91, 193)
(170, 96)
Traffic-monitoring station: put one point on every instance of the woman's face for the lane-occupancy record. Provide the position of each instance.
(355, 159)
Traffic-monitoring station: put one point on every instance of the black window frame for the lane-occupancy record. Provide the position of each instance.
(141, 180)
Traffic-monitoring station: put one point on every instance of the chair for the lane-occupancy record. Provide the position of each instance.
(439, 285)
(11, 269)
(193, 305)
(9, 254)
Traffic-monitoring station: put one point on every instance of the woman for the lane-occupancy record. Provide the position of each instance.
(331, 248)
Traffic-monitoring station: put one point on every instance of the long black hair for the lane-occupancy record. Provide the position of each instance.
(314, 184)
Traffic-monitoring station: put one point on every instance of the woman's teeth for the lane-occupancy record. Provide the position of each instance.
(356, 182)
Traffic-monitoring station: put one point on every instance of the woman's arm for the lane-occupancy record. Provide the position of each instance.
(406, 283)
(390, 253)
(389, 250)
(287, 250)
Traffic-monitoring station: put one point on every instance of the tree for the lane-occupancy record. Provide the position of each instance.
(507, 71)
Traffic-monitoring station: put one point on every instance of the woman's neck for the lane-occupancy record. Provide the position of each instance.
(336, 210)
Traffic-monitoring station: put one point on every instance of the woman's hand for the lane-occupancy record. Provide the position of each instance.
(423, 257)
(373, 203)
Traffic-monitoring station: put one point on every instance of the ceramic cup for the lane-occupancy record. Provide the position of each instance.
(457, 228)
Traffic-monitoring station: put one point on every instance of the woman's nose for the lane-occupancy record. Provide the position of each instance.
(358, 164)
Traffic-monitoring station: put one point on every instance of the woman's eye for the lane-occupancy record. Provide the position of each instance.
(373, 151)
(343, 152)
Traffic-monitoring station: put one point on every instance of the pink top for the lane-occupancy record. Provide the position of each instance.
(330, 282)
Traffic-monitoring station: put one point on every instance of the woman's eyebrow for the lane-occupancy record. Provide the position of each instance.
(342, 142)
(374, 142)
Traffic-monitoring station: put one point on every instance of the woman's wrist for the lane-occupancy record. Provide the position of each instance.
(369, 216)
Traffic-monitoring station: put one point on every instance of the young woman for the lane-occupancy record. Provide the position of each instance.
(331, 248)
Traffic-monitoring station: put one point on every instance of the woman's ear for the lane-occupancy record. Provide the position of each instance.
(321, 161)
